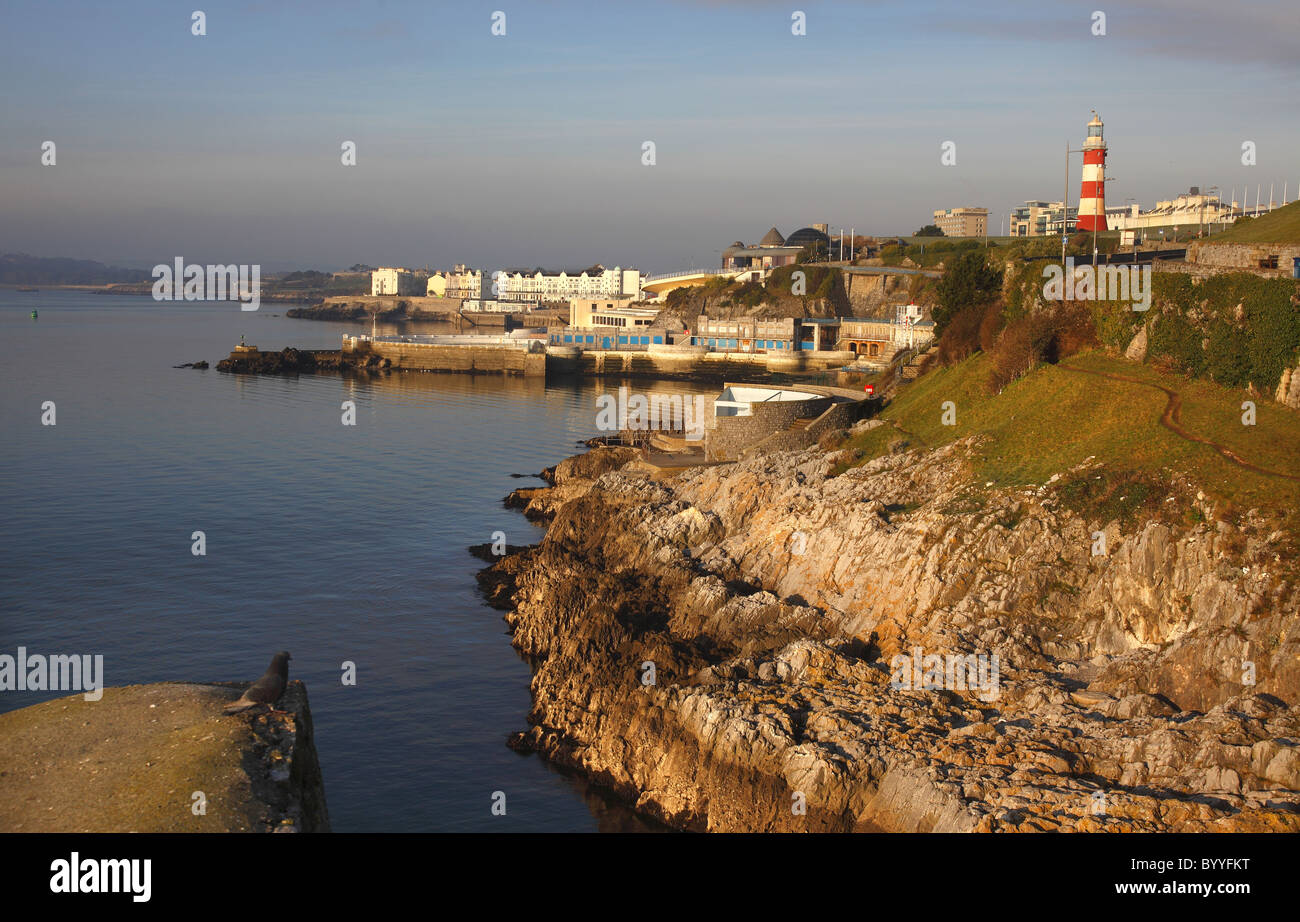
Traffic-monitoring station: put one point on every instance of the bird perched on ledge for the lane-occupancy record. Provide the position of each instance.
(266, 690)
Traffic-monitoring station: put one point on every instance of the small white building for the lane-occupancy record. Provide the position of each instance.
(388, 280)
(609, 312)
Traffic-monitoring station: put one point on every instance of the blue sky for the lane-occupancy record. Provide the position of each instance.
(525, 149)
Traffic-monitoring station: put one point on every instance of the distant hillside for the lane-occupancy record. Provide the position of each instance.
(22, 269)
(1280, 226)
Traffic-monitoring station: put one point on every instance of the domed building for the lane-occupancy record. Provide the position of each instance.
(807, 235)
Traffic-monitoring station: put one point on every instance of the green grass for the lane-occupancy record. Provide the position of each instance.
(1280, 226)
(1053, 419)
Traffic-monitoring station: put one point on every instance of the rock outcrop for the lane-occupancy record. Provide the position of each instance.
(1137, 347)
(727, 649)
(1288, 388)
(290, 361)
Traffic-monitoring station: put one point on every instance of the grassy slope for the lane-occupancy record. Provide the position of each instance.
(1053, 419)
(1280, 226)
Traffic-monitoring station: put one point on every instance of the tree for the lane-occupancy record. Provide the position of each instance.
(930, 230)
(814, 252)
(968, 281)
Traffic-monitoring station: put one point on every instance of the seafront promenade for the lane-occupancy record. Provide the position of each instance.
(533, 357)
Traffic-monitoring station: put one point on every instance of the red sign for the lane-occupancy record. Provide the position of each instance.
(870, 389)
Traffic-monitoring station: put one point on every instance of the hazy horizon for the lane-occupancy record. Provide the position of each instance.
(526, 149)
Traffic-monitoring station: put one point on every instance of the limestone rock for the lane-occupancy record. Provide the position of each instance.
(1137, 347)
(1288, 388)
(779, 612)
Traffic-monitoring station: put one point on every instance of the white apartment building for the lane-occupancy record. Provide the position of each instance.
(564, 286)
(1192, 209)
(387, 280)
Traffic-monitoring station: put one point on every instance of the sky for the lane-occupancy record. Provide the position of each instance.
(526, 149)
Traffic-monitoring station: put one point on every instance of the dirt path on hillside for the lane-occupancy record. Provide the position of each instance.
(1171, 422)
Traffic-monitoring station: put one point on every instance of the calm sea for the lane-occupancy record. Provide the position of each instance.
(335, 543)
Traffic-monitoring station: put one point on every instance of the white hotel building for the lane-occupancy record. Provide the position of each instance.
(563, 286)
(393, 281)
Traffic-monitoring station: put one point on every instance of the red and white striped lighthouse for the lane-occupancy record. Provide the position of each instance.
(1092, 198)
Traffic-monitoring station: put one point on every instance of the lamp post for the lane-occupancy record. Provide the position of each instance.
(1065, 204)
(1204, 196)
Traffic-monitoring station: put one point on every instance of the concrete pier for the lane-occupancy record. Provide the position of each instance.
(161, 758)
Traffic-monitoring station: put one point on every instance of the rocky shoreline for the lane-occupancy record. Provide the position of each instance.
(719, 648)
(290, 361)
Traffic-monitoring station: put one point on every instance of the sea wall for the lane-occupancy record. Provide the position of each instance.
(471, 359)
(1243, 255)
(836, 416)
(731, 435)
(161, 758)
(687, 364)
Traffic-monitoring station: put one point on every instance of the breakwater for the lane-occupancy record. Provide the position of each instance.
(512, 355)
(463, 354)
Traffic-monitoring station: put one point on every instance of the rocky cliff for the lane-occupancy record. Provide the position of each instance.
(731, 649)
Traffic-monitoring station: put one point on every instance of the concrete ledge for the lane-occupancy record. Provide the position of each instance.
(132, 761)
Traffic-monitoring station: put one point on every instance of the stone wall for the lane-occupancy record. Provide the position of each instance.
(837, 416)
(732, 435)
(1243, 255)
(461, 358)
(1202, 271)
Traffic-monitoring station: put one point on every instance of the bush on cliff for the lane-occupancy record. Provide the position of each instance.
(1236, 328)
(969, 281)
(1042, 336)
(973, 329)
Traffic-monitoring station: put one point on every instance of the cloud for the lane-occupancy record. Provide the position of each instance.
(1210, 32)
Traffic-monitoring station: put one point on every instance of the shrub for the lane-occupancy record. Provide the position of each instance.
(1046, 335)
(991, 325)
(1227, 358)
(961, 337)
(968, 281)
(1173, 338)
